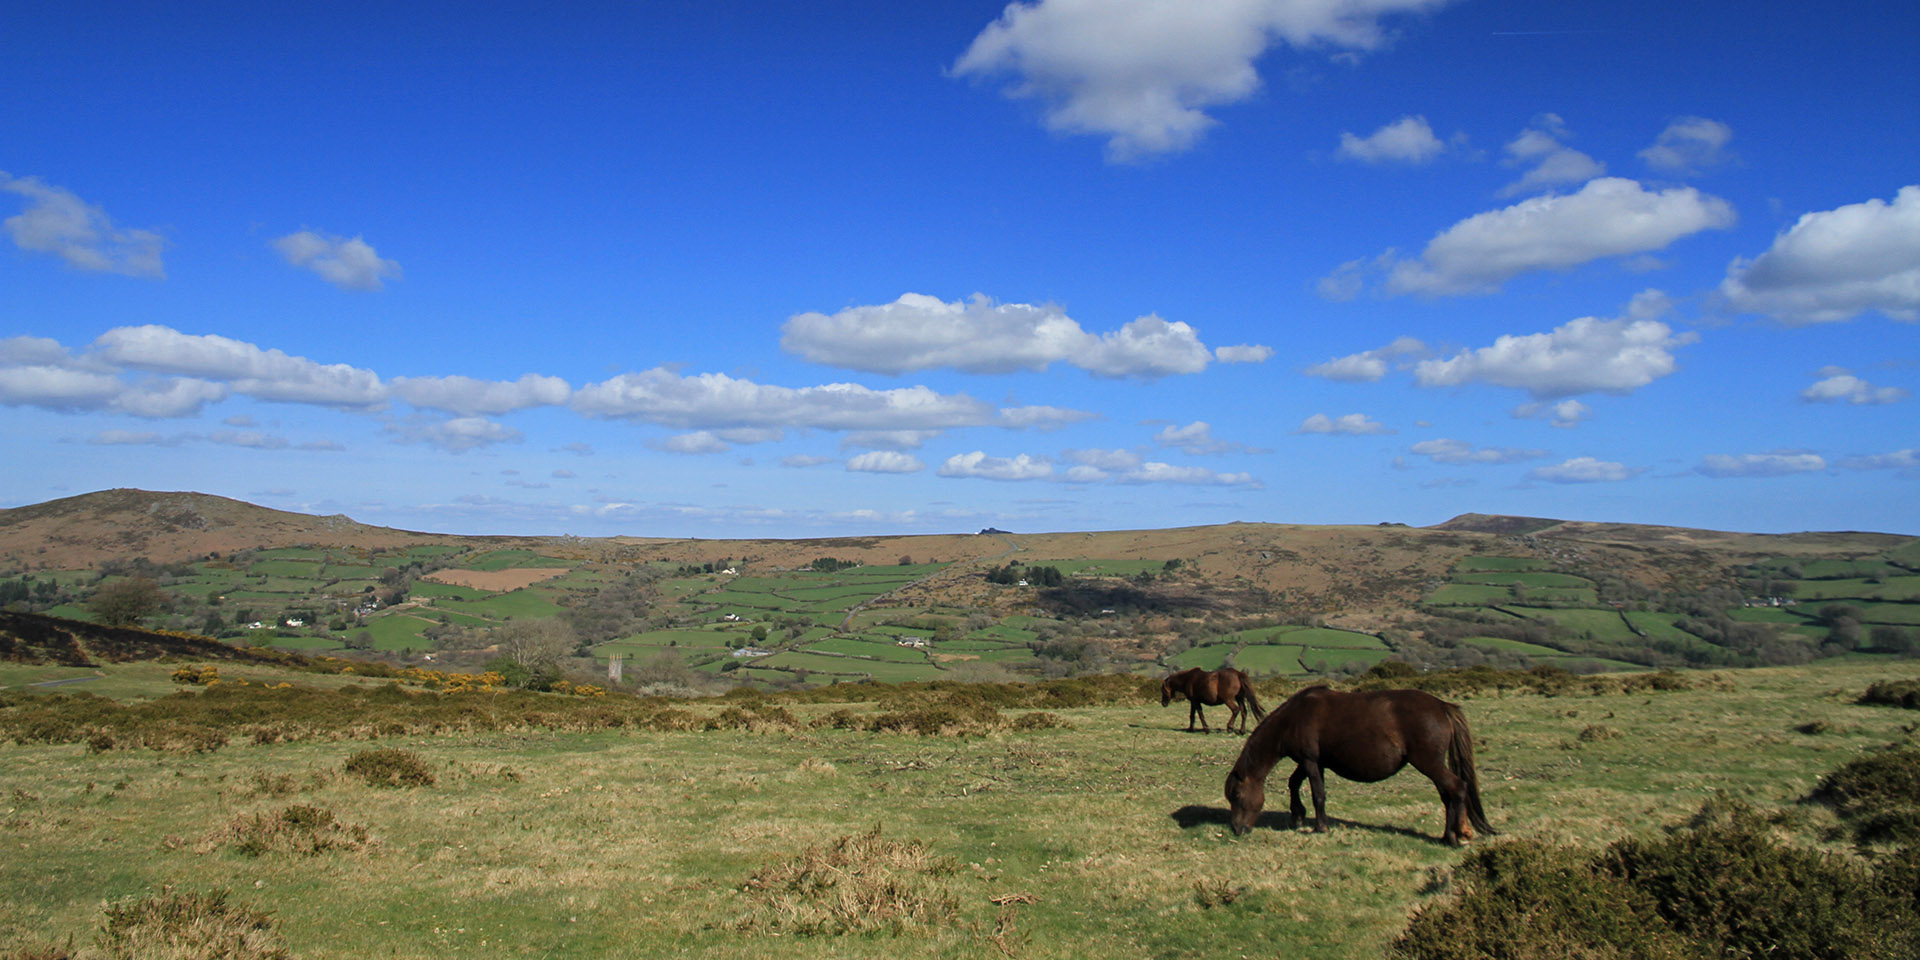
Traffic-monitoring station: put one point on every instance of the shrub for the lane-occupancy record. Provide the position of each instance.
(1878, 796)
(1894, 693)
(188, 926)
(857, 884)
(300, 830)
(390, 767)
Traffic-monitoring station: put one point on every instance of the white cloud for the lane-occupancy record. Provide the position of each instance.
(1839, 385)
(1834, 265)
(1195, 439)
(1584, 470)
(57, 222)
(1908, 459)
(1043, 418)
(1777, 464)
(1351, 424)
(1689, 145)
(456, 435)
(803, 460)
(350, 264)
(252, 439)
(1565, 414)
(33, 351)
(1609, 217)
(1154, 471)
(1370, 365)
(115, 438)
(699, 442)
(717, 401)
(919, 332)
(1142, 73)
(1244, 353)
(1091, 465)
(251, 371)
(1447, 450)
(469, 397)
(888, 439)
(1581, 356)
(1552, 162)
(1406, 140)
(978, 464)
(885, 461)
(72, 390)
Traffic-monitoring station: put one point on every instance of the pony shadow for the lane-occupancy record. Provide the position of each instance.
(1195, 815)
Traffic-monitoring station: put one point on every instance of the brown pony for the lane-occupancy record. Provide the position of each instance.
(1366, 737)
(1225, 685)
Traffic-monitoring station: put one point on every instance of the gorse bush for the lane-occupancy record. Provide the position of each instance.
(390, 768)
(1894, 693)
(188, 926)
(1719, 886)
(1877, 796)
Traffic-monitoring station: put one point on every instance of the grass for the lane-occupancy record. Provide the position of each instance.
(1105, 838)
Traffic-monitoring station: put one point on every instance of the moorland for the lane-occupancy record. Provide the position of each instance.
(231, 729)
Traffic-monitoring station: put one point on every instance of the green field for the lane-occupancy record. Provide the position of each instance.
(1484, 564)
(1468, 595)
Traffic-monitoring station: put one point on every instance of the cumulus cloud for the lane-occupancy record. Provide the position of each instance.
(1195, 439)
(1154, 471)
(919, 332)
(1839, 385)
(888, 439)
(57, 222)
(1834, 265)
(456, 435)
(1093, 465)
(68, 389)
(885, 461)
(1550, 162)
(1244, 353)
(1143, 74)
(250, 370)
(701, 441)
(1448, 450)
(1584, 470)
(978, 464)
(1406, 140)
(1609, 217)
(1043, 418)
(1908, 459)
(1777, 464)
(1370, 365)
(716, 401)
(1351, 424)
(1564, 414)
(350, 264)
(1581, 356)
(1689, 145)
(469, 397)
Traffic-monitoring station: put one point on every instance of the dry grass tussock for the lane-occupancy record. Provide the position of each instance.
(296, 830)
(862, 883)
(168, 926)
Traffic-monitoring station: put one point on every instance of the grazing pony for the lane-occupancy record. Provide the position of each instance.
(1361, 736)
(1225, 685)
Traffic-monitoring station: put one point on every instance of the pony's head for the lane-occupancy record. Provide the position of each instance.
(1166, 691)
(1245, 798)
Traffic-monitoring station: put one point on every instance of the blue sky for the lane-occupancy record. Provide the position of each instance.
(722, 269)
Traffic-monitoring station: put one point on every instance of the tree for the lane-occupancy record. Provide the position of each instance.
(534, 648)
(127, 602)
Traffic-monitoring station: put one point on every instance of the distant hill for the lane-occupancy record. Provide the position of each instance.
(82, 531)
(39, 639)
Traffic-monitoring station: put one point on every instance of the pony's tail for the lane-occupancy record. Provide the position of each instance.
(1460, 761)
(1249, 699)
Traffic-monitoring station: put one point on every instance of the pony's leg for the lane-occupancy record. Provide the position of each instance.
(1235, 713)
(1453, 799)
(1317, 781)
(1296, 812)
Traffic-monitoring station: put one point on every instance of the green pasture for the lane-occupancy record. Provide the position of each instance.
(1660, 626)
(1269, 658)
(523, 604)
(1003, 633)
(874, 649)
(1514, 646)
(1529, 579)
(1602, 625)
(1331, 659)
(1323, 638)
(1781, 615)
(1898, 614)
(307, 644)
(434, 590)
(1210, 657)
(397, 632)
(881, 670)
(1468, 595)
(1902, 588)
(510, 560)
